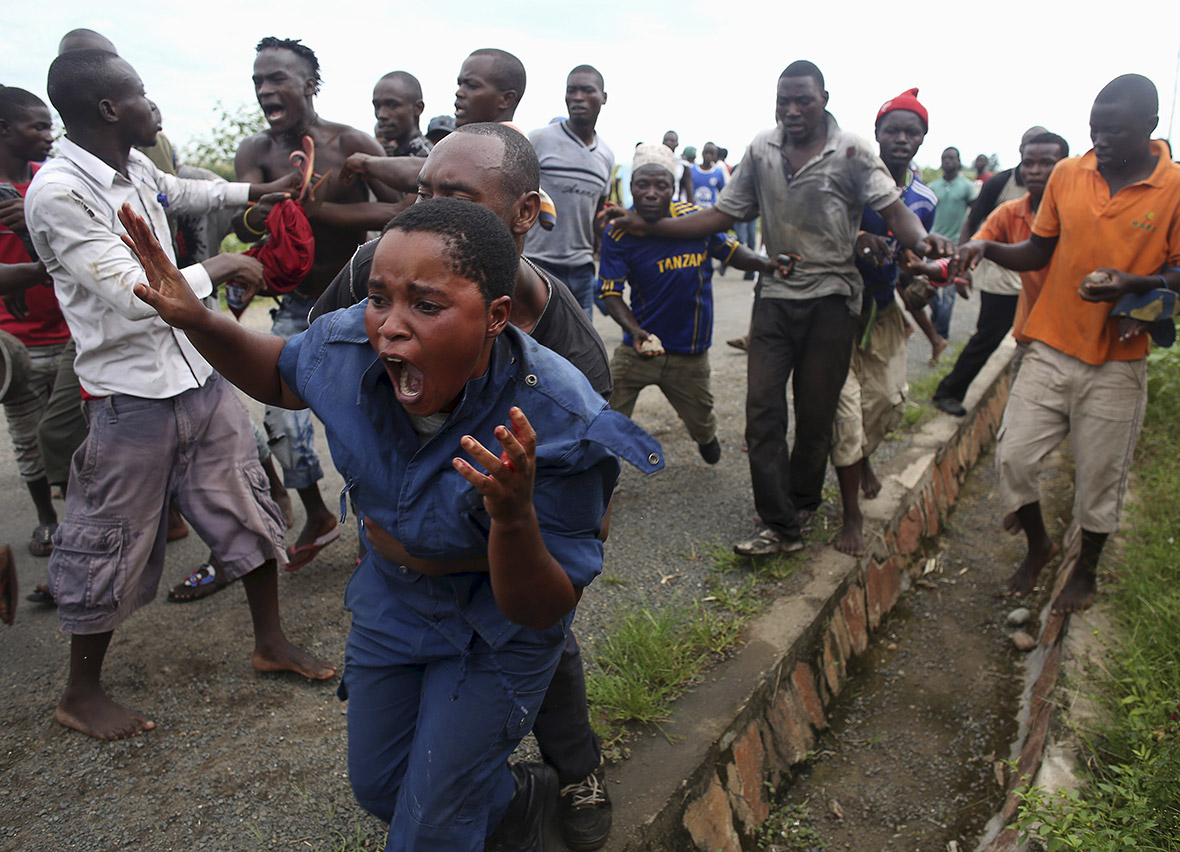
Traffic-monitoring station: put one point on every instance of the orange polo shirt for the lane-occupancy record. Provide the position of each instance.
(1012, 222)
(1136, 231)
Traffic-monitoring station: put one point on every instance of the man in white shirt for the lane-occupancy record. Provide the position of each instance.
(161, 421)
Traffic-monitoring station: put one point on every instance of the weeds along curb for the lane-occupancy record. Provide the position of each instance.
(705, 785)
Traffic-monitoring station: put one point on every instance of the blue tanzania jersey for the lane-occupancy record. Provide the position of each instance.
(671, 282)
(879, 280)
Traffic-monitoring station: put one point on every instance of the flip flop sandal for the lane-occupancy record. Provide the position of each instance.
(297, 557)
(8, 591)
(41, 543)
(199, 584)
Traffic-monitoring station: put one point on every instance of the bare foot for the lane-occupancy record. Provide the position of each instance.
(1012, 523)
(312, 531)
(177, 528)
(285, 657)
(95, 714)
(850, 539)
(1078, 593)
(870, 486)
(937, 347)
(1024, 580)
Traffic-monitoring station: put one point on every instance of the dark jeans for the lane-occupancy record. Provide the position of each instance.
(562, 726)
(808, 341)
(580, 280)
(995, 321)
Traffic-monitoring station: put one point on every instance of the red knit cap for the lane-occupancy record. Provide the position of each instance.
(906, 100)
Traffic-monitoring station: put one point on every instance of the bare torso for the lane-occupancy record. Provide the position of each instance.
(266, 156)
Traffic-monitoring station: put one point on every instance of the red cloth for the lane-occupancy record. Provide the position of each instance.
(44, 325)
(287, 256)
(906, 100)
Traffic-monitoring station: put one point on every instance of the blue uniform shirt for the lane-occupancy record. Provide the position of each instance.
(671, 282)
(879, 280)
(411, 490)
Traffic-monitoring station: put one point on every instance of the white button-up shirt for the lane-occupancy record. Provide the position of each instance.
(71, 208)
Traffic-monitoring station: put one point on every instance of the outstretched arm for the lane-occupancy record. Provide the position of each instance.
(400, 173)
(1033, 253)
(908, 229)
(702, 223)
(246, 358)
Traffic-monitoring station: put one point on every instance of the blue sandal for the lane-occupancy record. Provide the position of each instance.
(199, 584)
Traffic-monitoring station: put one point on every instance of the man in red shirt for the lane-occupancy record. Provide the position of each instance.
(30, 312)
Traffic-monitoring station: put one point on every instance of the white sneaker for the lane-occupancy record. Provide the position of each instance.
(767, 542)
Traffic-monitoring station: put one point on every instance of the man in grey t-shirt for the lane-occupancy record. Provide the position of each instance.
(810, 181)
(576, 168)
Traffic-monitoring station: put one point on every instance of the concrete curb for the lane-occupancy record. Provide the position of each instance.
(1038, 705)
(704, 785)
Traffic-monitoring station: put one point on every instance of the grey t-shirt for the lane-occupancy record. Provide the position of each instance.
(577, 177)
(815, 213)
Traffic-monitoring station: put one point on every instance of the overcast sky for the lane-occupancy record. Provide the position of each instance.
(707, 70)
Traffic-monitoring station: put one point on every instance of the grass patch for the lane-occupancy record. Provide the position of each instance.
(789, 829)
(652, 654)
(1132, 800)
(919, 406)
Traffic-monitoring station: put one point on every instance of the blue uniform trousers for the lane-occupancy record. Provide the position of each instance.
(430, 728)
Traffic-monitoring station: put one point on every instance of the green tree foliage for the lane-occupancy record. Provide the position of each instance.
(216, 150)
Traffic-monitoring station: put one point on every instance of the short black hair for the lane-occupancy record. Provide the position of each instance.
(78, 80)
(83, 38)
(1135, 91)
(297, 47)
(589, 69)
(410, 81)
(1048, 138)
(804, 68)
(522, 171)
(956, 150)
(479, 246)
(507, 70)
(14, 102)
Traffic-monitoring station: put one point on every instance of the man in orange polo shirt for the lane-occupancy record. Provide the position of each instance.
(1116, 209)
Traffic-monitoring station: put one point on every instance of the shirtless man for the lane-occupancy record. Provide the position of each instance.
(286, 80)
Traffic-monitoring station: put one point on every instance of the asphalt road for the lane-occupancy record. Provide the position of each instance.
(240, 760)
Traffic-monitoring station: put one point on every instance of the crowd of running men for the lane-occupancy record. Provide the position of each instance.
(436, 295)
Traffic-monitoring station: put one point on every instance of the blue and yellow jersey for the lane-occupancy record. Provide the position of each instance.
(879, 280)
(671, 282)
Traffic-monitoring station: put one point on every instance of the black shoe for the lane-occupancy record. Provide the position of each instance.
(522, 828)
(710, 452)
(585, 812)
(950, 405)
